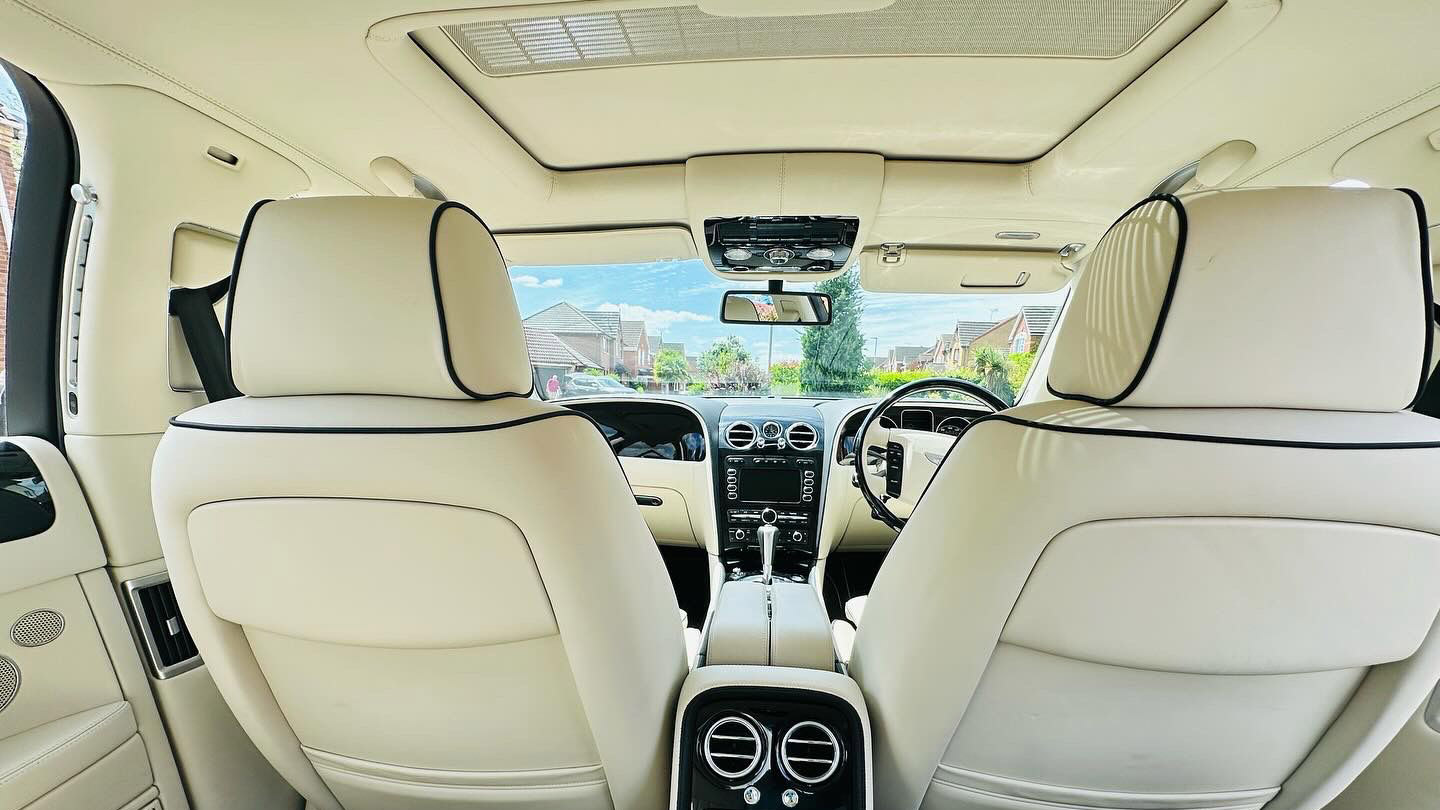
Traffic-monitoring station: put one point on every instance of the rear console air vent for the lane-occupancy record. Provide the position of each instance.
(810, 753)
(167, 641)
(735, 748)
(801, 436)
(741, 436)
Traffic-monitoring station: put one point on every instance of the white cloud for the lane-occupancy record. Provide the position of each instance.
(535, 283)
(656, 320)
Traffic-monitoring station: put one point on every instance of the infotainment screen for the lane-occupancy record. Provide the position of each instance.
(770, 486)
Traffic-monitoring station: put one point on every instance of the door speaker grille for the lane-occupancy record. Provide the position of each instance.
(37, 627)
(9, 681)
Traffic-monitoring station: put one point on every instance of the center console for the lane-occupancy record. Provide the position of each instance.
(771, 468)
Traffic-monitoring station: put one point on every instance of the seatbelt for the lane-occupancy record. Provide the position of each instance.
(196, 310)
(1429, 401)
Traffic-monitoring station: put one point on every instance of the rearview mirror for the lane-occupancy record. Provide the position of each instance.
(775, 308)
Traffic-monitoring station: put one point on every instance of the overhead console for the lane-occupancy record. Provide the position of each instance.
(808, 244)
(781, 215)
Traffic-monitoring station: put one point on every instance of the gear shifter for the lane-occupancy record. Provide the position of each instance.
(767, 551)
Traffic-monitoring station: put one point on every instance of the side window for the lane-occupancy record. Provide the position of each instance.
(12, 148)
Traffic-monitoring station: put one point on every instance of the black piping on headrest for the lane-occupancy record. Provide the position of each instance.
(233, 284)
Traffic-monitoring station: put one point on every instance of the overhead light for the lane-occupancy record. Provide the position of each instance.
(737, 254)
(820, 254)
(1349, 182)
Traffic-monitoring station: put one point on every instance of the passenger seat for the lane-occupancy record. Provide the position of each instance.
(414, 585)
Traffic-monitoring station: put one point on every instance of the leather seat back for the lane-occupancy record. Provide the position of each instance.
(1205, 576)
(414, 585)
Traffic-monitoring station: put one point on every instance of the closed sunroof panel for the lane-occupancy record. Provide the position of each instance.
(1095, 29)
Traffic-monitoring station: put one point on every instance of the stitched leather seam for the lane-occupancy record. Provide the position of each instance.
(61, 746)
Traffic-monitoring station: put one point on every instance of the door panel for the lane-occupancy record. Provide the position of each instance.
(72, 730)
(1406, 775)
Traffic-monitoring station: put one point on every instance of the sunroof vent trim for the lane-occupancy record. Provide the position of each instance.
(1081, 29)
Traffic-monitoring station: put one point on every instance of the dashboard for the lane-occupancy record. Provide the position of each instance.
(709, 472)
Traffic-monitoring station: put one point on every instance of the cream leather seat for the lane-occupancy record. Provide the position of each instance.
(1206, 577)
(414, 586)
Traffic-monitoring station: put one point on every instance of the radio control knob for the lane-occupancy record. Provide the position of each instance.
(739, 534)
(768, 515)
(797, 536)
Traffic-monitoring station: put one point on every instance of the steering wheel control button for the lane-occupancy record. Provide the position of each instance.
(789, 798)
(751, 795)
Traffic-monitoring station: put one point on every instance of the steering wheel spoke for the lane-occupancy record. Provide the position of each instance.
(918, 455)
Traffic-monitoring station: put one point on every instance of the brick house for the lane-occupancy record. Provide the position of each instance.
(635, 349)
(904, 358)
(961, 355)
(593, 335)
(998, 337)
(1031, 327)
(552, 357)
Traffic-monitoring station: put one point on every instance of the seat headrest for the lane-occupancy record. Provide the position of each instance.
(373, 295)
(1312, 298)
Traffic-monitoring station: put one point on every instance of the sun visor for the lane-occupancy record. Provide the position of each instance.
(900, 269)
(834, 185)
(618, 246)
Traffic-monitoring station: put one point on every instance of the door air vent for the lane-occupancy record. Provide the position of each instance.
(734, 747)
(810, 753)
(741, 436)
(156, 614)
(801, 436)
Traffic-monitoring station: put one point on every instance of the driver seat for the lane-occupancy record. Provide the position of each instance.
(1208, 574)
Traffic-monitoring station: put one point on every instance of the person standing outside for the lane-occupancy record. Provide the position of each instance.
(552, 387)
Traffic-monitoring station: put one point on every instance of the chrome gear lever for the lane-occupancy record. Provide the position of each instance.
(767, 551)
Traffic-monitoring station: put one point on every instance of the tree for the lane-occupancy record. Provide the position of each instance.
(994, 370)
(671, 368)
(727, 363)
(835, 354)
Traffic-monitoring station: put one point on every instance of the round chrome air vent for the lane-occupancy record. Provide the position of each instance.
(810, 753)
(771, 431)
(741, 436)
(801, 436)
(734, 747)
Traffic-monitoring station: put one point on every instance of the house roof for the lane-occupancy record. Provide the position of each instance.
(967, 331)
(906, 352)
(1038, 319)
(564, 317)
(547, 349)
(630, 333)
(654, 341)
(608, 321)
(1008, 326)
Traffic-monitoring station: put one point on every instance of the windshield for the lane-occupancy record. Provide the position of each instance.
(655, 328)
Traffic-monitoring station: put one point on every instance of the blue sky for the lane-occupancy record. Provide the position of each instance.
(681, 301)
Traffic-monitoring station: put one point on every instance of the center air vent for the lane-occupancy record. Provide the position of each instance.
(734, 748)
(810, 753)
(801, 436)
(741, 436)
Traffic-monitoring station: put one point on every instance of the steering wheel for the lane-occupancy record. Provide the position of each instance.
(901, 449)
